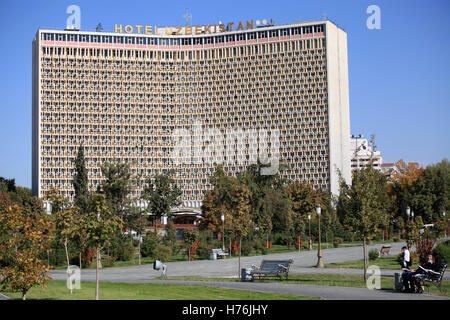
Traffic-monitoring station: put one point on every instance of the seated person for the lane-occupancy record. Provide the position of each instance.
(424, 270)
(413, 278)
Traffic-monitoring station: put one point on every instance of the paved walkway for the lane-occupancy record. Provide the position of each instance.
(304, 262)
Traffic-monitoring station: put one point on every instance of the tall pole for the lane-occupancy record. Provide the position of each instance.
(309, 228)
(222, 217)
(319, 252)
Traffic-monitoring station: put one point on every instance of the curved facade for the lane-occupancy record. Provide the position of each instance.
(138, 98)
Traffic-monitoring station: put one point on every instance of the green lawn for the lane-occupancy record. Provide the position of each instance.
(388, 262)
(387, 283)
(57, 290)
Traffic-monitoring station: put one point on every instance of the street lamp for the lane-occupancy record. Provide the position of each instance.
(222, 217)
(319, 252)
(408, 212)
(309, 223)
(445, 231)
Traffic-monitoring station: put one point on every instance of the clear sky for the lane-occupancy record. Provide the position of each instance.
(399, 76)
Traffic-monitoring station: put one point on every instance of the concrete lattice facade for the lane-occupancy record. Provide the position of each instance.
(123, 96)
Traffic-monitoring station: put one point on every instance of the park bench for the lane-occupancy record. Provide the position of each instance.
(276, 268)
(435, 278)
(385, 250)
(219, 252)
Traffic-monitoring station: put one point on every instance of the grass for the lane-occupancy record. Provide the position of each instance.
(57, 290)
(387, 283)
(388, 262)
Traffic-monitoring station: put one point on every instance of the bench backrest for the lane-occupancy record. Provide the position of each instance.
(218, 251)
(273, 264)
(441, 271)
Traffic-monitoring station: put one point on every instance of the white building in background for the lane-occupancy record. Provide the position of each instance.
(362, 152)
(124, 96)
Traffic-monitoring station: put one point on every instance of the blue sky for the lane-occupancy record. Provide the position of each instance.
(399, 76)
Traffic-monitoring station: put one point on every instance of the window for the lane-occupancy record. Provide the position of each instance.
(163, 42)
(230, 38)
(84, 38)
(107, 39)
(95, 39)
(273, 33)
(284, 32)
(262, 34)
(130, 40)
(219, 39)
(240, 37)
(151, 41)
(186, 41)
(48, 36)
(251, 35)
(197, 41)
(118, 39)
(140, 40)
(174, 42)
(60, 37)
(295, 31)
(72, 37)
(306, 30)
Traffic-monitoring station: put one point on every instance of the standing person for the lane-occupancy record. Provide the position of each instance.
(406, 260)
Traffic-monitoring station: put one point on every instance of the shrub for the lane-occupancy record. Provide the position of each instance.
(443, 251)
(374, 254)
(424, 247)
(396, 239)
(162, 253)
(204, 249)
(149, 243)
(246, 247)
(107, 260)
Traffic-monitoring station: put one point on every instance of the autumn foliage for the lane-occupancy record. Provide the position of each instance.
(26, 237)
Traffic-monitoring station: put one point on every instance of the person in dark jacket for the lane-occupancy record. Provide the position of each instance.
(412, 278)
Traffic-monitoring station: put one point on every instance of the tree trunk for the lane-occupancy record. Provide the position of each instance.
(139, 248)
(365, 258)
(79, 257)
(96, 271)
(24, 294)
(67, 259)
(239, 270)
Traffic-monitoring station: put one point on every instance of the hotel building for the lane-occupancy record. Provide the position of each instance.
(122, 96)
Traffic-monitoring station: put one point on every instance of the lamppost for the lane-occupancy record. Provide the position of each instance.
(309, 223)
(222, 217)
(408, 212)
(319, 252)
(445, 220)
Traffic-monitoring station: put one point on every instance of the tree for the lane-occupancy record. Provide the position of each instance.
(170, 239)
(162, 194)
(276, 205)
(66, 228)
(431, 192)
(190, 236)
(80, 181)
(240, 211)
(101, 226)
(303, 199)
(361, 205)
(117, 186)
(25, 236)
